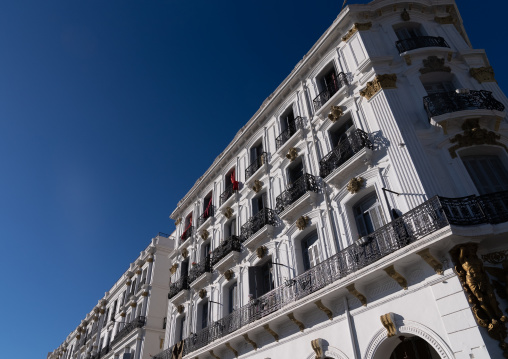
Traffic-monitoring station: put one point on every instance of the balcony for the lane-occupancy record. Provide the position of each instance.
(425, 219)
(228, 192)
(178, 286)
(208, 213)
(331, 89)
(420, 42)
(198, 270)
(139, 322)
(255, 165)
(226, 253)
(295, 191)
(187, 233)
(285, 135)
(105, 350)
(346, 148)
(252, 233)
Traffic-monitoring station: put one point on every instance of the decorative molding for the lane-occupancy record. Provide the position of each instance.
(317, 346)
(228, 274)
(399, 278)
(357, 27)
(300, 325)
(178, 221)
(128, 283)
(228, 212)
(123, 314)
(134, 304)
(173, 268)
(292, 154)
(202, 293)
(444, 20)
(185, 252)
(499, 275)
(483, 74)
(261, 251)
(405, 15)
(496, 257)
(431, 260)
(380, 82)
(231, 348)
(270, 330)
(351, 289)
(258, 185)
(150, 258)
(388, 321)
(302, 222)
(434, 64)
(335, 113)
(204, 234)
(324, 308)
(355, 184)
(250, 341)
(212, 354)
(180, 308)
(473, 135)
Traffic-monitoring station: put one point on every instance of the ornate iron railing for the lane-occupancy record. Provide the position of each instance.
(207, 214)
(285, 135)
(165, 354)
(178, 286)
(447, 102)
(228, 192)
(231, 244)
(295, 190)
(330, 90)
(436, 213)
(258, 221)
(105, 350)
(419, 42)
(255, 165)
(199, 268)
(139, 322)
(346, 148)
(187, 233)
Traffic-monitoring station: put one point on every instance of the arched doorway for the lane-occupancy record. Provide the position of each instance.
(413, 347)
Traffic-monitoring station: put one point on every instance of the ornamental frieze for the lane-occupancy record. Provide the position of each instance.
(483, 74)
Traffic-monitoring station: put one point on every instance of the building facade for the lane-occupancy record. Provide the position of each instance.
(129, 321)
(362, 211)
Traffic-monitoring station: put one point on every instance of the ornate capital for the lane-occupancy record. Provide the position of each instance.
(388, 322)
(380, 82)
(483, 74)
(228, 212)
(335, 113)
(185, 252)
(292, 154)
(202, 293)
(434, 64)
(302, 222)
(355, 184)
(357, 27)
(261, 251)
(178, 221)
(204, 234)
(180, 308)
(258, 185)
(173, 268)
(229, 274)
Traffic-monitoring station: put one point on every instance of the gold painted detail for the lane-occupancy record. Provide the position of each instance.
(300, 325)
(407, 58)
(444, 20)
(261, 251)
(380, 82)
(431, 261)
(144, 293)
(405, 15)
(335, 113)
(324, 308)
(357, 27)
(232, 349)
(228, 212)
(78, 336)
(480, 293)
(202, 293)
(173, 268)
(483, 74)
(258, 185)
(178, 221)
(229, 274)
(138, 270)
(205, 234)
(150, 259)
(351, 289)
(302, 222)
(354, 184)
(134, 304)
(473, 135)
(128, 283)
(434, 64)
(388, 322)
(292, 154)
(212, 354)
(250, 341)
(180, 308)
(123, 314)
(270, 330)
(317, 346)
(396, 276)
(185, 252)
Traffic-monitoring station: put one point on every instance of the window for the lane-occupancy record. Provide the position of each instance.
(258, 203)
(260, 280)
(295, 171)
(207, 206)
(204, 315)
(181, 332)
(409, 31)
(287, 120)
(230, 228)
(256, 151)
(368, 215)
(487, 172)
(232, 297)
(184, 270)
(113, 312)
(339, 132)
(310, 251)
(439, 87)
(205, 249)
(164, 322)
(328, 81)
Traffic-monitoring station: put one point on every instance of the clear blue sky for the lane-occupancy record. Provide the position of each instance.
(109, 112)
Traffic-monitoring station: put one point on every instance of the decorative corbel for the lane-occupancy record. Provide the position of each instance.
(356, 27)
(431, 260)
(212, 354)
(302, 222)
(434, 64)
(292, 154)
(185, 252)
(228, 274)
(335, 113)
(261, 251)
(399, 278)
(228, 212)
(351, 289)
(300, 325)
(178, 221)
(355, 184)
(204, 234)
(317, 346)
(380, 82)
(250, 341)
(270, 330)
(388, 322)
(232, 349)
(324, 308)
(180, 308)
(258, 185)
(202, 293)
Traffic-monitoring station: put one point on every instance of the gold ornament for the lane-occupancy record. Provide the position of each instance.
(258, 185)
(302, 222)
(380, 82)
(356, 27)
(261, 251)
(292, 154)
(434, 64)
(335, 113)
(354, 184)
(204, 234)
(202, 293)
(228, 212)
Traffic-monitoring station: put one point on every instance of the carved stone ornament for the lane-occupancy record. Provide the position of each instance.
(292, 154)
(228, 212)
(173, 268)
(317, 346)
(298, 323)
(228, 345)
(78, 336)
(213, 354)
(185, 252)
(202, 293)
(123, 314)
(335, 113)
(396, 276)
(388, 322)
(480, 293)
(102, 310)
(405, 15)
(178, 221)
(483, 74)
(357, 27)
(473, 135)
(354, 184)
(434, 64)
(204, 234)
(229, 274)
(324, 308)
(180, 309)
(261, 251)
(302, 222)
(272, 332)
(150, 258)
(351, 289)
(380, 82)
(431, 261)
(499, 275)
(258, 185)
(129, 282)
(250, 341)
(444, 20)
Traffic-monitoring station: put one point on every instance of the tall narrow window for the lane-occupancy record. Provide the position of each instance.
(487, 172)
(256, 152)
(260, 280)
(204, 315)
(295, 171)
(310, 251)
(369, 215)
(181, 332)
(233, 289)
(259, 202)
(231, 228)
(287, 121)
(339, 133)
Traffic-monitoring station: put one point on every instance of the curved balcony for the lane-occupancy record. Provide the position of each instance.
(296, 190)
(419, 42)
(285, 135)
(178, 286)
(255, 165)
(346, 148)
(447, 102)
(331, 89)
(139, 322)
(199, 269)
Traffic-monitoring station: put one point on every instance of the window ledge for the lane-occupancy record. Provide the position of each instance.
(451, 122)
(227, 262)
(201, 281)
(341, 174)
(252, 243)
(181, 297)
(281, 152)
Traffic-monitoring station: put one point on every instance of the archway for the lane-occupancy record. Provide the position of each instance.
(413, 347)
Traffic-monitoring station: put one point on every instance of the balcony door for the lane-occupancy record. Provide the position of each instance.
(255, 152)
(439, 87)
(260, 280)
(409, 32)
(339, 133)
(368, 215)
(295, 171)
(287, 120)
(184, 268)
(259, 203)
(310, 251)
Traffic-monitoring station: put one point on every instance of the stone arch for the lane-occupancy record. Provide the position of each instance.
(414, 328)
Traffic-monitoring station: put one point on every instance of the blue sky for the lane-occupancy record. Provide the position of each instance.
(110, 111)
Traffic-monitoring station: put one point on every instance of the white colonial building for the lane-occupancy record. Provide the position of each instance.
(362, 212)
(129, 321)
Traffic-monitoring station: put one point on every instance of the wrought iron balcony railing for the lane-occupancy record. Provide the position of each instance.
(199, 269)
(255, 165)
(209, 212)
(331, 89)
(429, 217)
(139, 322)
(447, 102)
(228, 192)
(105, 350)
(285, 135)
(231, 244)
(295, 190)
(187, 233)
(165, 354)
(258, 221)
(346, 148)
(178, 286)
(419, 42)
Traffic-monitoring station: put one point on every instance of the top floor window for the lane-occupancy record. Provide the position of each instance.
(187, 232)
(208, 209)
(412, 36)
(230, 185)
(328, 82)
(289, 124)
(257, 158)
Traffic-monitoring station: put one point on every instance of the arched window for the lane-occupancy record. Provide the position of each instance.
(487, 172)
(368, 215)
